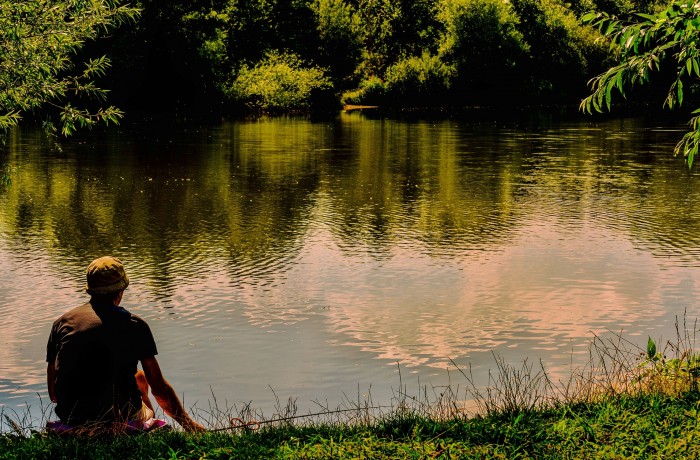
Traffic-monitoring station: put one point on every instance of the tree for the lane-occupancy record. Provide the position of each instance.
(38, 41)
(561, 51)
(340, 36)
(482, 41)
(646, 44)
(396, 29)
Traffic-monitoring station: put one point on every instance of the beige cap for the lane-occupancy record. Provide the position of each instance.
(106, 275)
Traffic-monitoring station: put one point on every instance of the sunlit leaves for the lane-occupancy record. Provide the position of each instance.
(38, 42)
(645, 44)
(9, 119)
(651, 349)
(688, 146)
(72, 118)
(281, 81)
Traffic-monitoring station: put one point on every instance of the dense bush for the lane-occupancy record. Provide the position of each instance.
(392, 29)
(419, 81)
(416, 28)
(279, 82)
(371, 91)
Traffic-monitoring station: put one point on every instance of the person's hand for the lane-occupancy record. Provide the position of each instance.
(193, 427)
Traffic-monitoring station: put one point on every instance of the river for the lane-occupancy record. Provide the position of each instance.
(336, 260)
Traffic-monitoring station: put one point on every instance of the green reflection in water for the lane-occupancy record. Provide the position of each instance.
(248, 191)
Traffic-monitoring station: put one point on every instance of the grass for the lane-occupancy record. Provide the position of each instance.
(626, 403)
(621, 427)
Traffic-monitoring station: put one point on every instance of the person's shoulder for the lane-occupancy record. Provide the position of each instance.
(136, 319)
(75, 311)
(140, 328)
(73, 318)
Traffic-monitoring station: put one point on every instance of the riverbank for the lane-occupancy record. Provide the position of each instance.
(627, 403)
(619, 427)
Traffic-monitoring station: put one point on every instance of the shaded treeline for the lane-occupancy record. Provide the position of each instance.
(280, 55)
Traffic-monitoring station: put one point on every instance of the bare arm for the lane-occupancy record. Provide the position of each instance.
(165, 395)
(51, 381)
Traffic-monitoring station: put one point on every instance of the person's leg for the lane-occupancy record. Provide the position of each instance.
(143, 387)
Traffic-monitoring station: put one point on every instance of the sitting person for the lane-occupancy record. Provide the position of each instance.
(92, 355)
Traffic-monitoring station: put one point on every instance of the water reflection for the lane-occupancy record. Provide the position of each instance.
(309, 255)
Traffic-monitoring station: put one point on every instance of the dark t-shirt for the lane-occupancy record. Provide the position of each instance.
(96, 349)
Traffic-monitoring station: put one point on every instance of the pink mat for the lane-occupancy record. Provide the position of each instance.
(132, 427)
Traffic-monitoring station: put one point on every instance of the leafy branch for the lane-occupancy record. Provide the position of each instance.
(645, 44)
(38, 43)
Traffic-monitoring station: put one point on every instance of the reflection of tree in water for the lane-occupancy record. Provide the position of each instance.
(164, 207)
(265, 227)
(623, 174)
(25, 218)
(248, 191)
(420, 179)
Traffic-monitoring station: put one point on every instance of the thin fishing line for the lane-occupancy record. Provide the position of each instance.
(236, 423)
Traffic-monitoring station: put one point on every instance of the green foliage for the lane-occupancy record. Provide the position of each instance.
(651, 350)
(340, 37)
(614, 6)
(377, 17)
(416, 81)
(416, 28)
(259, 26)
(208, 31)
(39, 39)
(8, 120)
(669, 375)
(393, 29)
(482, 41)
(477, 31)
(561, 50)
(280, 82)
(372, 91)
(182, 53)
(646, 44)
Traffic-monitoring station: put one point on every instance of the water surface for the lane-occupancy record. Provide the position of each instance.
(319, 260)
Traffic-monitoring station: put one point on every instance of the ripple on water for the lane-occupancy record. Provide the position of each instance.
(523, 243)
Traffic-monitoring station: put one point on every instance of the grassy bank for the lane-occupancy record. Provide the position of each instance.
(620, 427)
(626, 403)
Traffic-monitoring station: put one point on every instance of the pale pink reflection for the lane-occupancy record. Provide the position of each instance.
(548, 289)
(27, 309)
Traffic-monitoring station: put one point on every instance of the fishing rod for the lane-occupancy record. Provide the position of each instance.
(236, 423)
